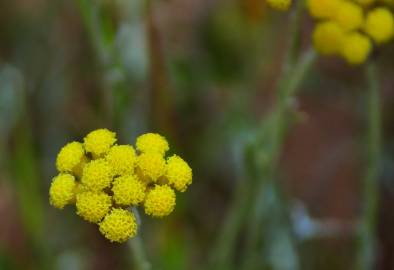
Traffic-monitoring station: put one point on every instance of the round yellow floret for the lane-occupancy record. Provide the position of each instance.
(356, 48)
(178, 173)
(159, 201)
(69, 157)
(152, 143)
(121, 158)
(61, 191)
(119, 225)
(349, 15)
(151, 165)
(93, 206)
(379, 24)
(328, 37)
(279, 4)
(98, 142)
(97, 175)
(128, 190)
(323, 9)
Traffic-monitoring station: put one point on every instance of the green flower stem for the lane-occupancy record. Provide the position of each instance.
(136, 246)
(367, 239)
(291, 77)
(268, 168)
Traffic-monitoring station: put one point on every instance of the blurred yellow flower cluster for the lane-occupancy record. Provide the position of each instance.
(350, 29)
(104, 179)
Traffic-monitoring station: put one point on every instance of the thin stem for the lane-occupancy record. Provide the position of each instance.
(136, 246)
(139, 256)
(291, 78)
(268, 172)
(367, 239)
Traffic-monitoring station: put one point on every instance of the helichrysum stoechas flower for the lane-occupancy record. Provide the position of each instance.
(69, 157)
(103, 179)
(379, 24)
(97, 174)
(323, 9)
(128, 190)
(98, 142)
(93, 206)
(328, 37)
(152, 143)
(279, 4)
(178, 173)
(119, 225)
(356, 48)
(121, 158)
(159, 201)
(349, 15)
(151, 165)
(62, 190)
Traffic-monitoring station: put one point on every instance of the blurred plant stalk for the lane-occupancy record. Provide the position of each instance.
(261, 190)
(367, 235)
(22, 164)
(90, 11)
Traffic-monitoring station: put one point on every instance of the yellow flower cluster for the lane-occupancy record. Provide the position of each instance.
(351, 28)
(103, 179)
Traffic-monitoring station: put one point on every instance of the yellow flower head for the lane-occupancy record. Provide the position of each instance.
(119, 225)
(98, 142)
(279, 4)
(152, 143)
(178, 173)
(61, 191)
(323, 9)
(93, 206)
(97, 175)
(356, 48)
(128, 190)
(328, 37)
(151, 165)
(349, 15)
(69, 157)
(379, 24)
(121, 158)
(159, 201)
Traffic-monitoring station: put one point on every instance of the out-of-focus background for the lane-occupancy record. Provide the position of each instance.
(204, 74)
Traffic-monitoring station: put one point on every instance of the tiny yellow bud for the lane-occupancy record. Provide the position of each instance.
(152, 143)
(159, 201)
(128, 190)
(119, 225)
(323, 9)
(178, 173)
(328, 38)
(62, 191)
(356, 48)
(151, 165)
(379, 25)
(98, 142)
(349, 15)
(97, 175)
(93, 206)
(121, 158)
(69, 157)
